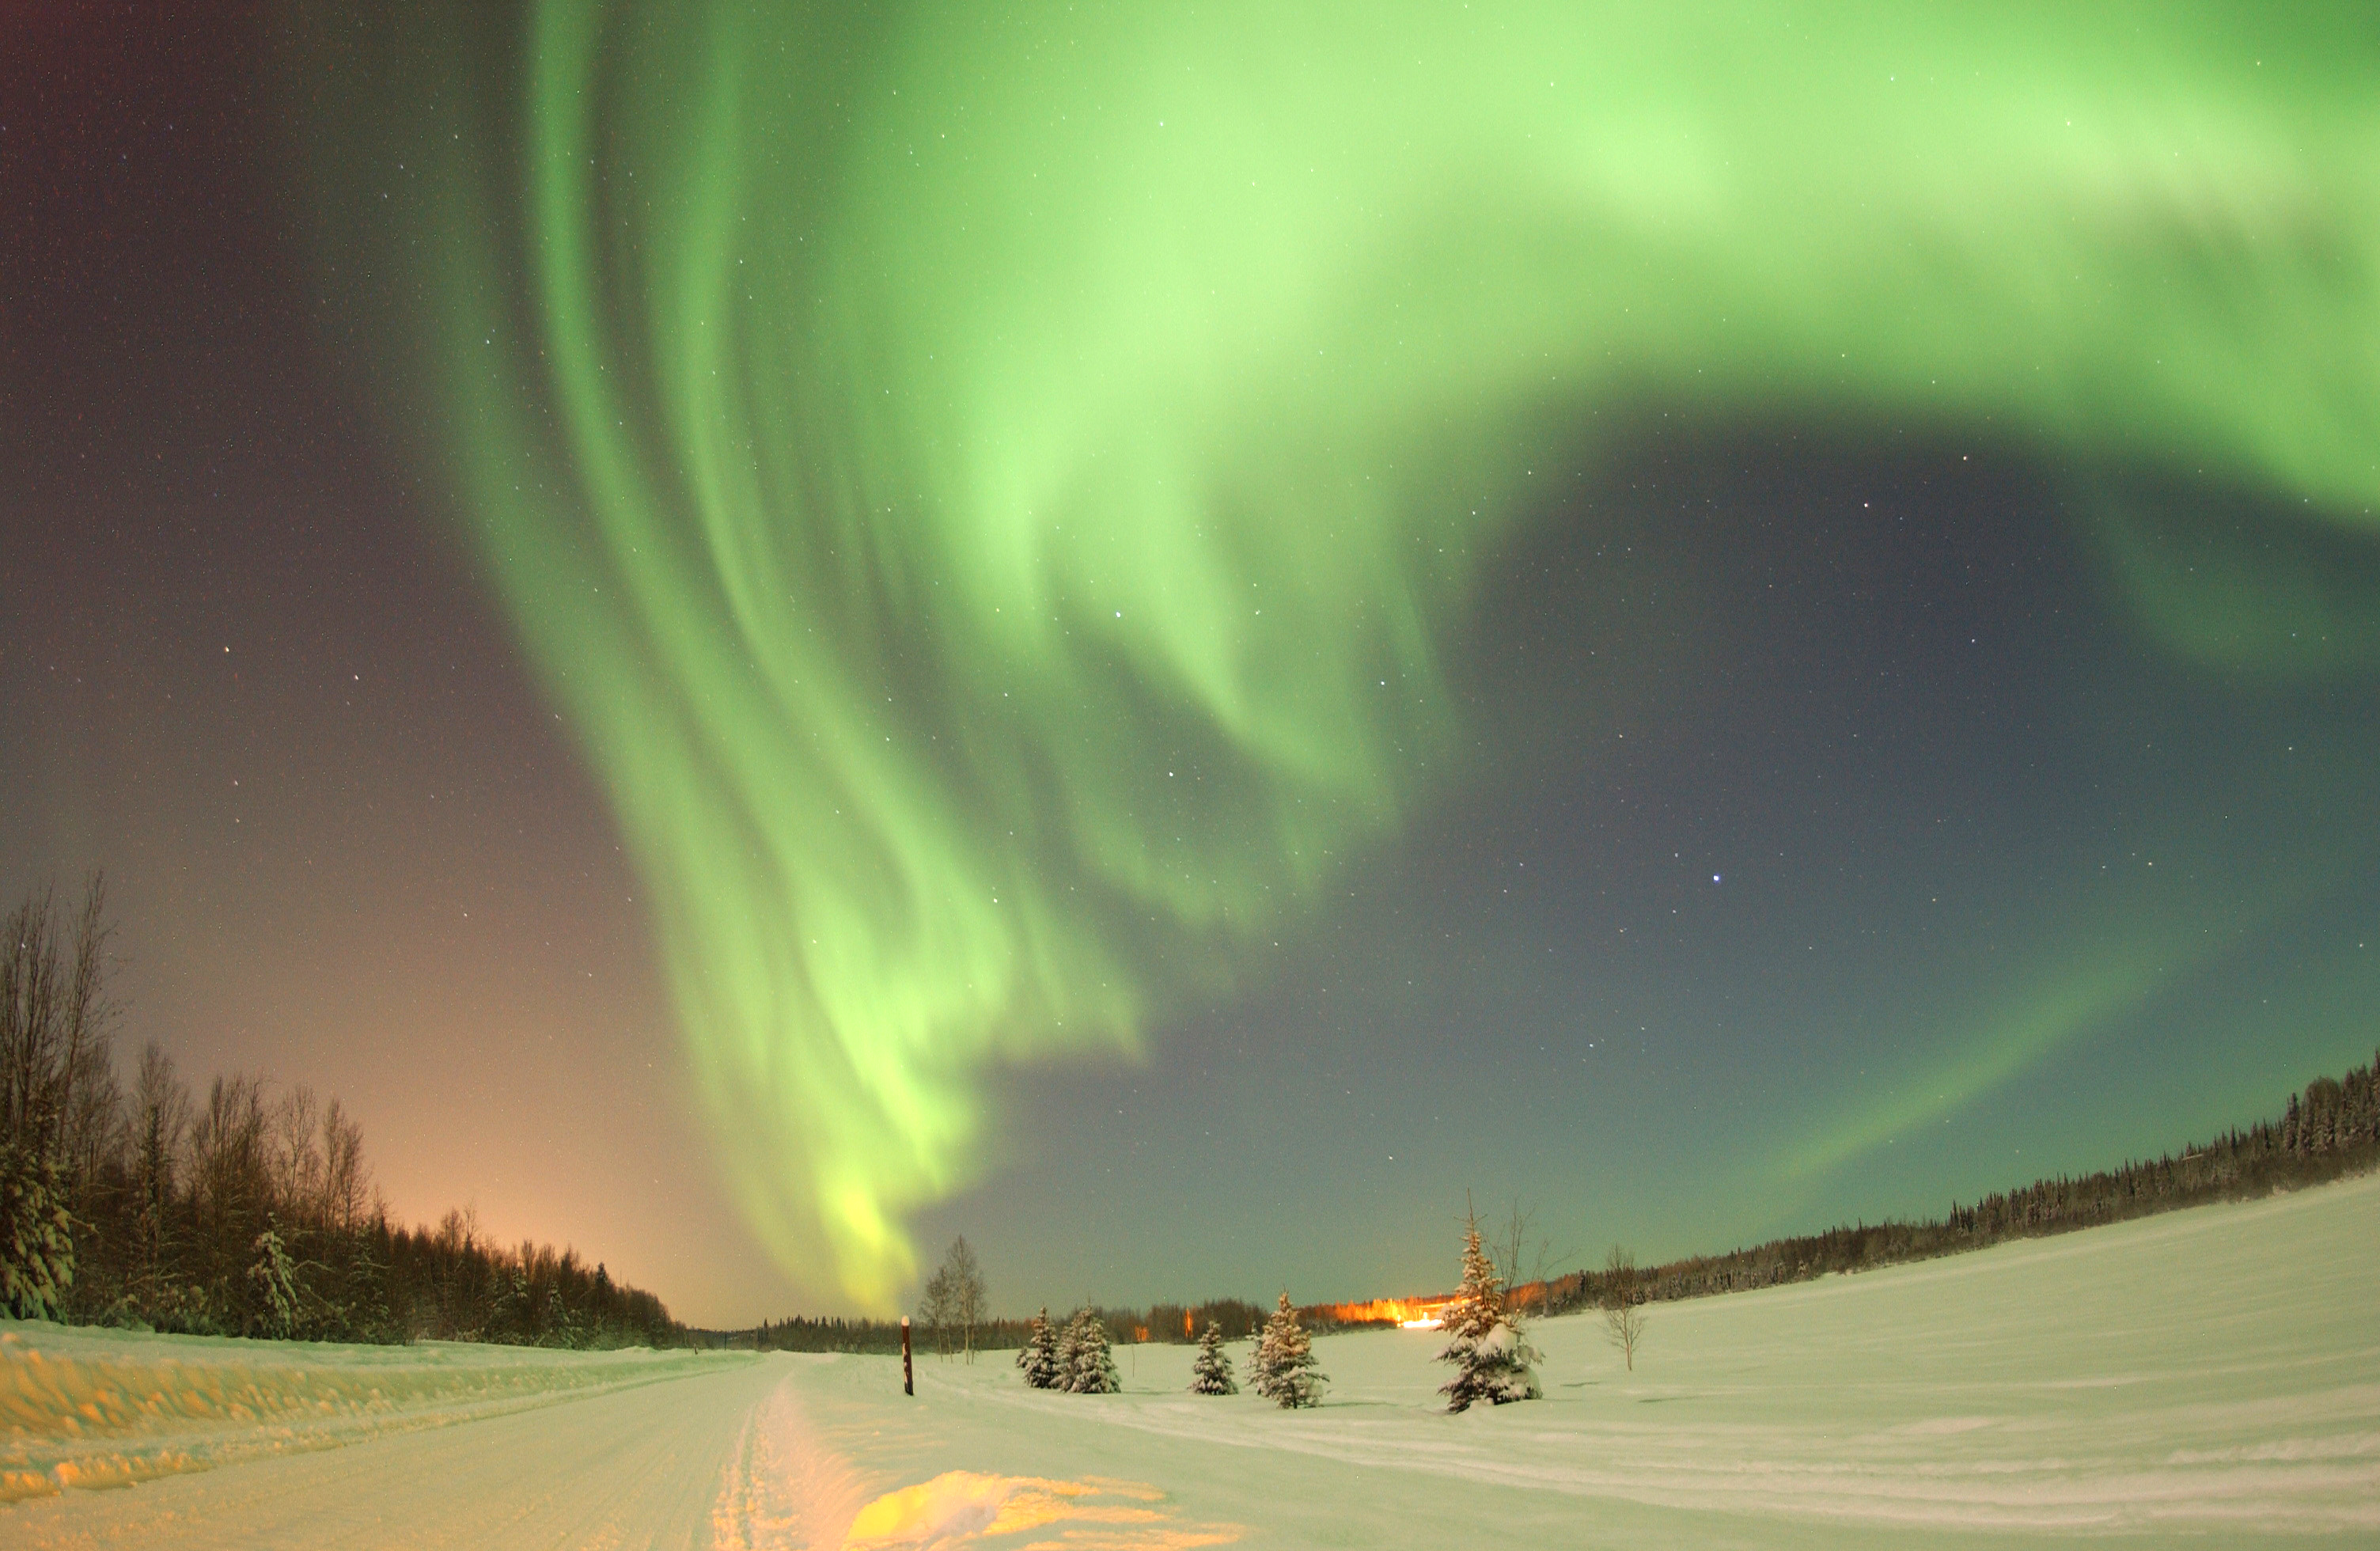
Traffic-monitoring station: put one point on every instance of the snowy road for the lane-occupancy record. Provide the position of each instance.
(2211, 1377)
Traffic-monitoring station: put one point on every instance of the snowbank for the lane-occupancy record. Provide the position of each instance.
(105, 1408)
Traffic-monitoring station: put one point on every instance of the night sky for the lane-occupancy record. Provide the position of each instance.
(769, 640)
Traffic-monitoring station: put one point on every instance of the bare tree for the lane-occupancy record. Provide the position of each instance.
(346, 1180)
(59, 1105)
(966, 1292)
(296, 1159)
(936, 1306)
(952, 1304)
(230, 1173)
(1623, 1304)
(29, 1026)
(57, 1084)
(1524, 1261)
(160, 1120)
(90, 1102)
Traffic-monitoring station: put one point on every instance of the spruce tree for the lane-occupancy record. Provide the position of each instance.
(1285, 1371)
(1062, 1353)
(37, 1259)
(1039, 1356)
(1492, 1362)
(276, 1281)
(1211, 1372)
(1088, 1366)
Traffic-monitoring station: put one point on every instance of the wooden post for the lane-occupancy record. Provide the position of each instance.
(909, 1378)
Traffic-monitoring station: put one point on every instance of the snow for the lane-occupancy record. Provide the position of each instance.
(2211, 1375)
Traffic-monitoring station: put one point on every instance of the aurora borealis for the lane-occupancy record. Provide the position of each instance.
(1070, 538)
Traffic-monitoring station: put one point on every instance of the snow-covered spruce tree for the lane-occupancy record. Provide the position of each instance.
(1492, 1359)
(1062, 1353)
(1211, 1371)
(1285, 1373)
(274, 1277)
(1039, 1356)
(1089, 1366)
(37, 1259)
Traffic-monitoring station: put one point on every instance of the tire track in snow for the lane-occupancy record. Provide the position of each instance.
(785, 1488)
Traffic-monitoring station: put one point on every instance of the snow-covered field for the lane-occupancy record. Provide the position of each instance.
(2212, 1375)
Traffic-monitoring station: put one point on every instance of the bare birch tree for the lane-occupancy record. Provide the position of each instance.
(935, 1306)
(952, 1303)
(1623, 1304)
(967, 1298)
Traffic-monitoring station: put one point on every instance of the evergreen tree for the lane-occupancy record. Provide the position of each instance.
(1069, 1335)
(1088, 1366)
(1492, 1362)
(1039, 1356)
(1284, 1371)
(1211, 1371)
(37, 1258)
(276, 1281)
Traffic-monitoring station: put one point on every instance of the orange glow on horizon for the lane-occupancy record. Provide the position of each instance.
(1423, 1313)
(1417, 1314)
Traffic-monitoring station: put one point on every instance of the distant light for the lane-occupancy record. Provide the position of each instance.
(1714, 877)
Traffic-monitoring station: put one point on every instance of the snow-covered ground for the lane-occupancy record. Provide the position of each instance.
(2211, 1375)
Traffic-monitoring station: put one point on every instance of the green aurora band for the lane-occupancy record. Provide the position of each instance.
(992, 486)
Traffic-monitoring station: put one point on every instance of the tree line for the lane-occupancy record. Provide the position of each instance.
(2329, 1131)
(1177, 1323)
(242, 1211)
(953, 1317)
